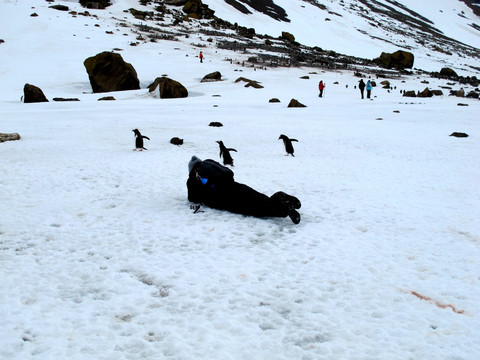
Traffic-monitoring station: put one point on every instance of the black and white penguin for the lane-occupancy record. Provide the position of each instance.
(139, 140)
(225, 153)
(288, 144)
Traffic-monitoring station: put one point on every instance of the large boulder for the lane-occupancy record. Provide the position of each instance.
(398, 60)
(168, 88)
(108, 72)
(33, 94)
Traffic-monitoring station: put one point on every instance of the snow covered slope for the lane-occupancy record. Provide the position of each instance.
(101, 256)
(366, 28)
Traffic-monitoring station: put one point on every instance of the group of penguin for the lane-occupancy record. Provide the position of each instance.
(224, 151)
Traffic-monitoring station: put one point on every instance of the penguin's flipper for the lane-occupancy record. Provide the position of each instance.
(232, 150)
(294, 140)
(145, 137)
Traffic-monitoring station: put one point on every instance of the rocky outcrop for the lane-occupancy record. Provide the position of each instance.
(168, 88)
(108, 72)
(448, 73)
(196, 9)
(33, 94)
(250, 83)
(398, 60)
(214, 76)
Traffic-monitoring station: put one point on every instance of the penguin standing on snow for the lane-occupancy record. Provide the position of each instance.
(139, 140)
(225, 153)
(288, 144)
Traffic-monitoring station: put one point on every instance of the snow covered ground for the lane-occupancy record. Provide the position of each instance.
(101, 256)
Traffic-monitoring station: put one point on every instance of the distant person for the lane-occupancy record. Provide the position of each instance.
(361, 86)
(212, 184)
(321, 86)
(369, 89)
(201, 57)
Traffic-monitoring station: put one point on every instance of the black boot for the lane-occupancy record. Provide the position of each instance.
(294, 216)
(287, 199)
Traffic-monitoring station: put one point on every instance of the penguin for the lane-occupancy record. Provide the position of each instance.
(139, 140)
(288, 144)
(225, 153)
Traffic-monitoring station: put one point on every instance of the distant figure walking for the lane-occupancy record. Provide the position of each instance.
(201, 57)
(321, 86)
(369, 89)
(361, 86)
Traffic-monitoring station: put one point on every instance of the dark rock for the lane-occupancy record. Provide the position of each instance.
(274, 100)
(461, 104)
(306, 77)
(287, 36)
(59, 7)
(447, 72)
(472, 95)
(176, 141)
(175, 2)
(9, 137)
(169, 89)
(95, 4)
(34, 15)
(459, 134)
(107, 98)
(295, 103)
(398, 60)
(65, 99)
(214, 76)
(425, 93)
(197, 10)
(141, 15)
(437, 92)
(33, 94)
(410, 93)
(108, 72)
(215, 124)
(250, 83)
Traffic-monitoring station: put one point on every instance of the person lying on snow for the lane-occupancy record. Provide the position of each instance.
(213, 184)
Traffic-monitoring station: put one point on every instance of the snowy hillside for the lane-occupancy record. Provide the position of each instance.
(366, 28)
(102, 257)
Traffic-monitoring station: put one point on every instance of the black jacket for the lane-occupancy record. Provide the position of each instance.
(212, 184)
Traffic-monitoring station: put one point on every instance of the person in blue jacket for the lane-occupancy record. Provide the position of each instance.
(369, 89)
(212, 184)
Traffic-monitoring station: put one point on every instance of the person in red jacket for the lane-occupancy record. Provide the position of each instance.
(321, 86)
(201, 57)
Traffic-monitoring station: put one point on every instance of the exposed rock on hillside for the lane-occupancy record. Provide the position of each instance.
(398, 60)
(108, 72)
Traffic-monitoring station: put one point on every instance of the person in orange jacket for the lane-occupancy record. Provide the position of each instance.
(321, 86)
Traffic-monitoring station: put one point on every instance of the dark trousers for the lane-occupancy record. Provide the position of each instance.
(236, 198)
